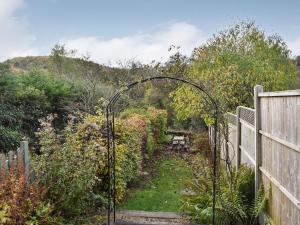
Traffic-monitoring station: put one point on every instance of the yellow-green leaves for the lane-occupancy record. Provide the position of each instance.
(230, 64)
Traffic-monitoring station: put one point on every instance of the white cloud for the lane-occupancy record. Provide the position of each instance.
(144, 47)
(294, 46)
(15, 39)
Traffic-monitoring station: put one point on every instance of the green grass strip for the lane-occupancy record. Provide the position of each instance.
(162, 193)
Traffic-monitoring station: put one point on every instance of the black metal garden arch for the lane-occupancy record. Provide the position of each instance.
(111, 151)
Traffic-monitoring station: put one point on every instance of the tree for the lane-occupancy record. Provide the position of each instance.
(93, 88)
(231, 64)
(26, 99)
(58, 56)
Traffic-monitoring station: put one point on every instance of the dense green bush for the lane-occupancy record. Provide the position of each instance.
(156, 126)
(73, 166)
(156, 129)
(9, 139)
(131, 133)
(26, 98)
(230, 64)
(150, 143)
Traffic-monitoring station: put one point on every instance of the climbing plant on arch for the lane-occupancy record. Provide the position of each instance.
(111, 147)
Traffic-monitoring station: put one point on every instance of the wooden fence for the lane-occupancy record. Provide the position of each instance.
(18, 160)
(268, 139)
(238, 146)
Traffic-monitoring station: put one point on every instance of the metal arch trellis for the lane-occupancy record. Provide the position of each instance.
(111, 153)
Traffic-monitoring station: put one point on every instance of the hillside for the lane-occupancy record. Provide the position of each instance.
(68, 68)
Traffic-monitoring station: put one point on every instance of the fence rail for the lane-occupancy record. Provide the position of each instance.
(268, 139)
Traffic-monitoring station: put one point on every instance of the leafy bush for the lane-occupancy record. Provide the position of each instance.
(235, 200)
(71, 169)
(200, 143)
(150, 144)
(131, 111)
(73, 166)
(26, 98)
(131, 133)
(9, 139)
(20, 201)
(156, 129)
(156, 126)
(230, 64)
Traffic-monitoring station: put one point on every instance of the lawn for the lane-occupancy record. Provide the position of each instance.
(162, 191)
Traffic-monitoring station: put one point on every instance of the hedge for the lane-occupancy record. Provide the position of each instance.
(73, 166)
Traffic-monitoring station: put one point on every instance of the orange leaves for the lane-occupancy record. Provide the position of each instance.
(18, 198)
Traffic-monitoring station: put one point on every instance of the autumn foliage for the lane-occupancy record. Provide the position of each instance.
(19, 199)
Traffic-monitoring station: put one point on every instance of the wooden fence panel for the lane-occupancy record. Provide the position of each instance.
(231, 143)
(271, 135)
(227, 140)
(245, 131)
(247, 135)
(247, 144)
(280, 134)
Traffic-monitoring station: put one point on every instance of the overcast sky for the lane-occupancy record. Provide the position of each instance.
(134, 29)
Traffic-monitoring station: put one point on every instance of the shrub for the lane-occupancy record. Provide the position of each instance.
(132, 111)
(150, 144)
(156, 129)
(131, 133)
(73, 165)
(199, 143)
(158, 123)
(71, 170)
(9, 139)
(26, 98)
(19, 201)
(235, 200)
(230, 64)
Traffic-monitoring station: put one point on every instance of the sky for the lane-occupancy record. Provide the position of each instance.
(143, 30)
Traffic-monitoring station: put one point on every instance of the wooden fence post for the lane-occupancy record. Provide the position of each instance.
(258, 150)
(238, 138)
(2, 166)
(26, 158)
(226, 145)
(10, 161)
(20, 160)
(258, 154)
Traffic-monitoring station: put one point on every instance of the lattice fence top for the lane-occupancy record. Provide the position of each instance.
(247, 114)
(231, 118)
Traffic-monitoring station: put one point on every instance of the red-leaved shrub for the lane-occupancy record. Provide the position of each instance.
(19, 199)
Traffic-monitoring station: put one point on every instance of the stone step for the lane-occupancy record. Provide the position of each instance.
(142, 223)
(150, 218)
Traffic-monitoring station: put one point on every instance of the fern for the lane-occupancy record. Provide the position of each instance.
(235, 202)
(260, 203)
